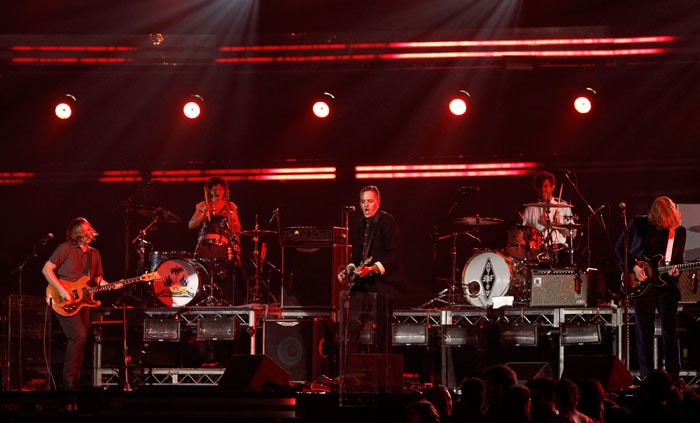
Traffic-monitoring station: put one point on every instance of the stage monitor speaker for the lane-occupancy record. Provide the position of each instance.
(526, 370)
(312, 271)
(559, 288)
(253, 373)
(607, 369)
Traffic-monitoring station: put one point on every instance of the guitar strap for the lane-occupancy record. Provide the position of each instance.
(669, 246)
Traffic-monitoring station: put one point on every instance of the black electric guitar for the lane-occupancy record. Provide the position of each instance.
(657, 275)
(354, 272)
(82, 293)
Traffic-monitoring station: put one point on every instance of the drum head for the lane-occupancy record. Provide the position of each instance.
(180, 281)
(486, 275)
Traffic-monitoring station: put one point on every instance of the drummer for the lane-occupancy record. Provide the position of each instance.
(217, 214)
(549, 215)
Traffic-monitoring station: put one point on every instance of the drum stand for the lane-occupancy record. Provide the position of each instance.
(454, 293)
(260, 287)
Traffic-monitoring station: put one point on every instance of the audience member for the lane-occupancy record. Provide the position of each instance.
(498, 378)
(421, 411)
(543, 407)
(567, 396)
(469, 407)
(441, 398)
(516, 405)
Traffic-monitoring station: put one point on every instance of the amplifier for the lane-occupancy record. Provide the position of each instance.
(562, 287)
(302, 235)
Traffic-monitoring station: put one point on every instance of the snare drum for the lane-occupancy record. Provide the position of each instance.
(490, 274)
(523, 242)
(181, 280)
(214, 240)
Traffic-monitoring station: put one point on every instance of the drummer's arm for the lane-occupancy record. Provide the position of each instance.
(198, 217)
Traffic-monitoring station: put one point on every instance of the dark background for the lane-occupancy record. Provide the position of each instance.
(641, 142)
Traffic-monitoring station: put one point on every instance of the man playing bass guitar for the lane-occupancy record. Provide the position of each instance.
(74, 260)
(654, 241)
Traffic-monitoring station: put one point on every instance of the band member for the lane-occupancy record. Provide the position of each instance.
(547, 215)
(653, 240)
(376, 257)
(72, 261)
(217, 243)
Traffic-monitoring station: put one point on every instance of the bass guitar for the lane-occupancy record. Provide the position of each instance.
(657, 275)
(354, 271)
(82, 293)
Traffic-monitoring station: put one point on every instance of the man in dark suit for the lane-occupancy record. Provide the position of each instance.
(377, 277)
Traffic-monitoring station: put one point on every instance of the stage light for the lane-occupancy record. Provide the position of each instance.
(584, 101)
(193, 106)
(460, 103)
(519, 334)
(322, 105)
(64, 106)
(579, 334)
(409, 334)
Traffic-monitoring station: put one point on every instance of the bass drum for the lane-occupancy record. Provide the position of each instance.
(180, 281)
(490, 274)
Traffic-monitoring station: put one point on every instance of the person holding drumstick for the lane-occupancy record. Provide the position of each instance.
(550, 216)
(218, 218)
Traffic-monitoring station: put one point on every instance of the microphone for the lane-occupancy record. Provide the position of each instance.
(599, 209)
(467, 189)
(45, 239)
(623, 206)
(275, 212)
(566, 171)
(349, 208)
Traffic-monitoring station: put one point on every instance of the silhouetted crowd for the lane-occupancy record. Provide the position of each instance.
(496, 396)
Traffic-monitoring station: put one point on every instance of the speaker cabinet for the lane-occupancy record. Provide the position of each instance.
(312, 275)
(28, 345)
(253, 373)
(607, 369)
(560, 288)
(306, 348)
(526, 370)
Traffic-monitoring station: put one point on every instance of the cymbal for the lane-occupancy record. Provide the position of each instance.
(551, 205)
(567, 226)
(158, 212)
(256, 232)
(477, 221)
(695, 228)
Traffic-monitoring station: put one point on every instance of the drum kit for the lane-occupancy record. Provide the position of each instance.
(192, 279)
(503, 273)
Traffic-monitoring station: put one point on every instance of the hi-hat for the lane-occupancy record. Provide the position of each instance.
(477, 221)
(158, 212)
(695, 228)
(550, 205)
(256, 232)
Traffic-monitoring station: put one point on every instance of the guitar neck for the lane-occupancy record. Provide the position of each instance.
(110, 285)
(681, 267)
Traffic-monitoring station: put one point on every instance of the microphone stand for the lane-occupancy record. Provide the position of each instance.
(625, 297)
(344, 305)
(595, 216)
